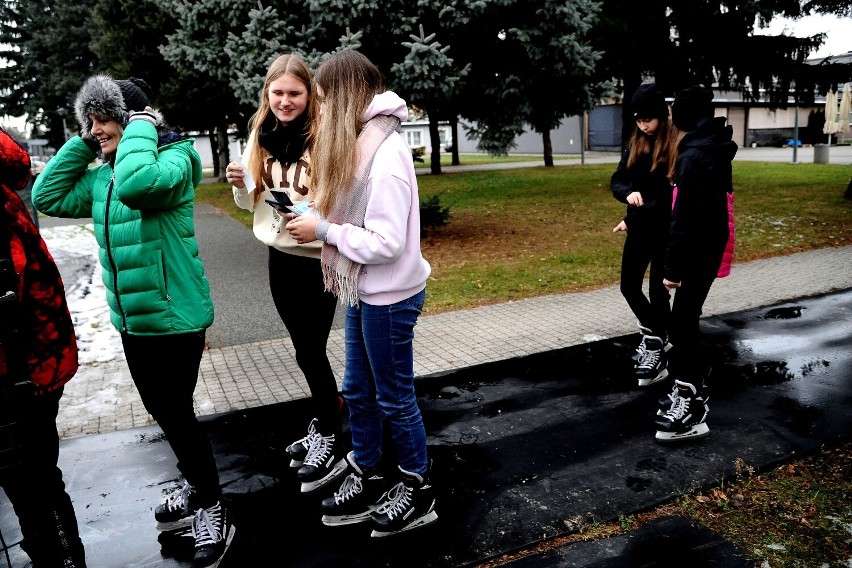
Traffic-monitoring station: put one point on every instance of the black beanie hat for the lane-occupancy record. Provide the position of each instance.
(135, 92)
(691, 106)
(648, 102)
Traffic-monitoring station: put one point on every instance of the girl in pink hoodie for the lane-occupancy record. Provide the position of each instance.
(368, 217)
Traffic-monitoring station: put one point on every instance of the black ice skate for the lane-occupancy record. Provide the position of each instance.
(685, 420)
(360, 494)
(409, 504)
(298, 450)
(213, 534)
(652, 367)
(323, 464)
(178, 511)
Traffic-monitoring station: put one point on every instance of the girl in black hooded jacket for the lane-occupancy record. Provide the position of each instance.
(697, 239)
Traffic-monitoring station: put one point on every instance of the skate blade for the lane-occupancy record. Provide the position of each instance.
(648, 382)
(695, 432)
(296, 463)
(431, 517)
(335, 521)
(175, 525)
(336, 471)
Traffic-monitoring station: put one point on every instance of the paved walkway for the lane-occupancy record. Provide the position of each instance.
(101, 398)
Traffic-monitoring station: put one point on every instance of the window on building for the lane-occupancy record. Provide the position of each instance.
(413, 138)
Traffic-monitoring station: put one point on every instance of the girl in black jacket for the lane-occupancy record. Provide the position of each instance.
(697, 238)
(641, 181)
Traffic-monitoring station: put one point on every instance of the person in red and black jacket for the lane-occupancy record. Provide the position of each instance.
(38, 355)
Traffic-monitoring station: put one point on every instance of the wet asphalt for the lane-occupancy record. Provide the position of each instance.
(524, 451)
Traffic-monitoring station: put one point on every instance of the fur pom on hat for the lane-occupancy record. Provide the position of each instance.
(103, 96)
(648, 102)
(691, 106)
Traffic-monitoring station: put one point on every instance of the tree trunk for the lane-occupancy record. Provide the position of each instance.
(548, 148)
(628, 123)
(435, 140)
(224, 150)
(454, 130)
(214, 150)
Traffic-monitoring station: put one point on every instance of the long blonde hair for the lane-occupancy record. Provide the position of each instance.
(349, 81)
(288, 64)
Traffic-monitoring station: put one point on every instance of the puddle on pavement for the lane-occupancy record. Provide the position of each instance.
(767, 373)
(772, 344)
(785, 312)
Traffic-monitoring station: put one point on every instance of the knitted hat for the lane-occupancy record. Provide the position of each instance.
(135, 92)
(691, 106)
(648, 102)
(101, 95)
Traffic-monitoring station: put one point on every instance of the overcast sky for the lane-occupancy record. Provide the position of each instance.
(838, 42)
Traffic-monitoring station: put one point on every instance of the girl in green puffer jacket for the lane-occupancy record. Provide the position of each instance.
(141, 200)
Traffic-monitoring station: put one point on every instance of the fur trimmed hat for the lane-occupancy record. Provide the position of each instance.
(648, 102)
(103, 96)
(691, 106)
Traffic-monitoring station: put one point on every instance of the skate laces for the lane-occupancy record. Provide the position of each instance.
(650, 358)
(674, 395)
(312, 433)
(207, 526)
(399, 498)
(320, 449)
(351, 486)
(680, 406)
(179, 500)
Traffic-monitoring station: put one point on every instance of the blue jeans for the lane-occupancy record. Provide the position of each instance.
(378, 383)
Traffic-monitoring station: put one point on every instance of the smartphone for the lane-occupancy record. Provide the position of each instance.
(282, 198)
(283, 203)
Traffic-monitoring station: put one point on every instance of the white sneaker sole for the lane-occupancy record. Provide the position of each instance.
(431, 517)
(697, 431)
(648, 382)
(335, 472)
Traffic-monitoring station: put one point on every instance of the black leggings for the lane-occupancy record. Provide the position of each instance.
(307, 311)
(643, 248)
(37, 492)
(165, 371)
(688, 359)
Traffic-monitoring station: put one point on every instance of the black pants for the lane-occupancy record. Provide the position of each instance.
(307, 311)
(642, 248)
(165, 371)
(37, 492)
(688, 358)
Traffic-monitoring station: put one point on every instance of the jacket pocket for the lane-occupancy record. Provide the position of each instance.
(163, 274)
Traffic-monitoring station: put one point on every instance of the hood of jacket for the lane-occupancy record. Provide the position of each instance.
(387, 103)
(712, 135)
